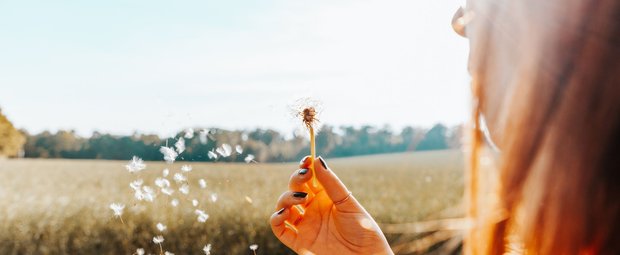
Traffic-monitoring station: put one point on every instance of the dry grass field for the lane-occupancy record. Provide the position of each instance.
(62, 206)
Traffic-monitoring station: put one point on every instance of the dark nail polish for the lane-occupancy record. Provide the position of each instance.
(300, 194)
(303, 160)
(323, 163)
(281, 211)
(303, 171)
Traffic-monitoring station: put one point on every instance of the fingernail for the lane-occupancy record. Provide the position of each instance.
(281, 211)
(323, 163)
(303, 160)
(303, 171)
(300, 194)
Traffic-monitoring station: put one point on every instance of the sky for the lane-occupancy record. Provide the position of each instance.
(163, 66)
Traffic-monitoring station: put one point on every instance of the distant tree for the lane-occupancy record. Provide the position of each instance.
(11, 140)
(435, 139)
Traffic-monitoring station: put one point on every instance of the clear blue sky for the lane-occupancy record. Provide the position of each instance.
(161, 66)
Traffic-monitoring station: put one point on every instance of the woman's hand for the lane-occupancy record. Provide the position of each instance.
(333, 221)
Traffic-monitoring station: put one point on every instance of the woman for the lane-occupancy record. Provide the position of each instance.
(546, 107)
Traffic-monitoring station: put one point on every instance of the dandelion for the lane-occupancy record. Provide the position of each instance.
(139, 251)
(213, 197)
(212, 155)
(158, 240)
(169, 154)
(225, 150)
(202, 216)
(161, 227)
(238, 149)
(118, 210)
(174, 202)
(249, 158)
(139, 195)
(202, 183)
(207, 249)
(254, 247)
(149, 193)
(307, 110)
(194, 202)
(186, 168)
(135, 165)
(184, 189)
(165, 172)
(189, 133)
(180, 145)
(179, 177)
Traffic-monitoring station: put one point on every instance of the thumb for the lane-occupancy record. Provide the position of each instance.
(334, 188)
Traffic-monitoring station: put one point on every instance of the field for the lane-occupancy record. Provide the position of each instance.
(62, 206)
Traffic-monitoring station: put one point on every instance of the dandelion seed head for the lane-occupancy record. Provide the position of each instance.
(249, 158)
(169, 154)
(207, 249)
(202, 183)
(186, 168)
(139, 195)
(189, 133)
(184, 189)
(140, 251)
(194, 202)
(135, 165)
(254, 247)
(165, 172)
(180, 145)
(238, 149)
(307, 110)
(174, 202)
(161, 227)
(212, 155)
(214, 197)
(148, 193)
(158, 239)
(117, 209)
(135, 185)
(179, 177)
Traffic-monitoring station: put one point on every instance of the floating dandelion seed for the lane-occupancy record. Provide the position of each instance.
(249, 158)
(194, 202)
(165, 172)
(139, 251)
(189, 133)
(161, 227)
(180, 145)
(135, 165)
(202, 183)
(207, 249)
(202, 216)
(162, 182)
(186, 168)
(169, 154)
(254, 247)
(248, 199)
(238, 149)
(179, 177)
(135, 185)
(174, 202)
(212, 155)
(213, 197)
(184, 189)
(168, 191)
(225, 150)
(118, 210)
(148, 193)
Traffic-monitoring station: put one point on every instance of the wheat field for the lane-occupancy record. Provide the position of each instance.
(62, 206)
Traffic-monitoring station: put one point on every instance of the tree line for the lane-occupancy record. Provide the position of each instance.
(262, 145)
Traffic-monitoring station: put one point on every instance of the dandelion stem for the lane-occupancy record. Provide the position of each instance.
(161, 249)
(254, 252)
(123, 222)
(312, 155)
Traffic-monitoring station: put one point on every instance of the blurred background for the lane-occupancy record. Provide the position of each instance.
(85, 86)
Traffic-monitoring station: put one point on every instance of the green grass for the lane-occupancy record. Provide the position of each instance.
(61, 206)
